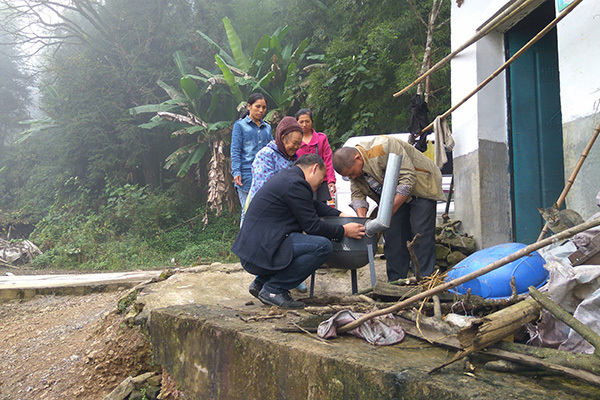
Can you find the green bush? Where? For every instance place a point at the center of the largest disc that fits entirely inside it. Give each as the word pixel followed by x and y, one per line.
pixel 136 228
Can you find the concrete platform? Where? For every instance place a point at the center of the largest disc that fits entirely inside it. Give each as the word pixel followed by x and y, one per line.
pixel 201 329
pixel 28 286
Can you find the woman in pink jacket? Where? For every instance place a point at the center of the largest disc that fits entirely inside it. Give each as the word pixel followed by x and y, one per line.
pixel 316 143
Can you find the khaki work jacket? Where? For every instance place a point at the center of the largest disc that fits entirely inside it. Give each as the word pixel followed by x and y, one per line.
pixel 416 171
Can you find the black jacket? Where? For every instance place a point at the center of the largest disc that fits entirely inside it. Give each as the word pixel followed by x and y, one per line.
pixel 282 206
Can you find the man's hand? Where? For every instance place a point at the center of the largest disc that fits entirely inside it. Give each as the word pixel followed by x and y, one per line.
pixel 361 212
pixel 398 202
pixel 354 230
pixel 238 180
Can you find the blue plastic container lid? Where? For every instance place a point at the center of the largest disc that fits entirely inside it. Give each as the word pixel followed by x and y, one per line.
pixel 528 271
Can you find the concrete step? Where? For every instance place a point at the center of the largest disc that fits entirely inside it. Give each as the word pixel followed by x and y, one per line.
pixel 28 286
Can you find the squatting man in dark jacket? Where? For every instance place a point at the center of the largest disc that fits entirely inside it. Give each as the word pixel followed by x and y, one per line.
pixel 271 243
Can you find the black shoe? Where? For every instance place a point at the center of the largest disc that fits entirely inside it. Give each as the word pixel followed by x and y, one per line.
pixel 255 288
pixel 283 300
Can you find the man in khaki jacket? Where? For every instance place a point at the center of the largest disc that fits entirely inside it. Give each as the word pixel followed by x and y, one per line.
pixel 414 210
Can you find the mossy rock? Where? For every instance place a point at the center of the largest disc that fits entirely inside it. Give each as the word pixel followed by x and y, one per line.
pixel 455 257
pixel 441 252
pixel 464 244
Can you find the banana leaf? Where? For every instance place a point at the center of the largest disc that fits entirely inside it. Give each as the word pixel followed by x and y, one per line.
pixel 171 91
pixel 181 63
pixel 156 122
pixel 260 57
pixel 265 80
pixel 236 46
pixel 205 72
pixel 37 125
pixel 217 126
pixel 300 50
pixel 281 32
pixel 197 78
pixel 286 53
pixel 152 108
pixel 291 78
pixel 193 159
pixel 178 154
pixel 222 52
pixel 190 89
pixel 229 78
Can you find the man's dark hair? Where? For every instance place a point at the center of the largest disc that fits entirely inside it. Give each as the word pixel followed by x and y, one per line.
pixel 310 159
pixel 343 158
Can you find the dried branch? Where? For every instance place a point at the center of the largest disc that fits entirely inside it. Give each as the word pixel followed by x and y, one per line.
pixel 410 3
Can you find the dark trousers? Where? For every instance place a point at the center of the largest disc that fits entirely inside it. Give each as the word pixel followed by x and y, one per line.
pixel 418 216
pixel 310 252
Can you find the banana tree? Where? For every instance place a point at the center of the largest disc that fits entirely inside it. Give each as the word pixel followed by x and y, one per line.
pixel 186 114
pixel 275 69
pixel 193 108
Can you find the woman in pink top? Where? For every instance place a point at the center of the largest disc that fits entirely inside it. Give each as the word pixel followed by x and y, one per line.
pixel 316 143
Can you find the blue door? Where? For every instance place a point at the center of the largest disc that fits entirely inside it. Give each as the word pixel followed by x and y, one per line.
pixel 535 136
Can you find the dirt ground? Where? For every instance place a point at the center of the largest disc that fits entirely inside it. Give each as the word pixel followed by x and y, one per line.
pixel 67 347
pixel 77 347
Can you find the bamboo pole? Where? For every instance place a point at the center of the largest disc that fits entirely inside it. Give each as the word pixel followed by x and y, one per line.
pixel 518 54
pixel 571 179
pixel 493 24
pixel 559 313
pixel 458 281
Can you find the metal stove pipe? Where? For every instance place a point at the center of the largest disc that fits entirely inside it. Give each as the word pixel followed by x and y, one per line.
pixel 388 192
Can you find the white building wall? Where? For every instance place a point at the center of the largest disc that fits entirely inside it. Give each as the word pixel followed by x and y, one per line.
pixel 479 127
pixel 579 61
pixel 471 67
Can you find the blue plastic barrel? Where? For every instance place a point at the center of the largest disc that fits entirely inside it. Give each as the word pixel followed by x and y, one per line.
pixel 528 271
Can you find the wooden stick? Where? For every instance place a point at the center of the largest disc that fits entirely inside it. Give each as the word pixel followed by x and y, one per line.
pixel 586 332
pixel 518 54
pixel 571 180
pixel 410 244
pixel 583 375
pixel 458 281
pixel 493 24
pixel 567 359
pixel 6 264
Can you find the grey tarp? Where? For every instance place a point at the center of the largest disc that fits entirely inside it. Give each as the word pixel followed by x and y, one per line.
pixel 577 290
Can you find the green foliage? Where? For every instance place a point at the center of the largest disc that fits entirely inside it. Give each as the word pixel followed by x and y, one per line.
pixel 93 173
pixel 275 68
pixel 131 231
pixel 353 95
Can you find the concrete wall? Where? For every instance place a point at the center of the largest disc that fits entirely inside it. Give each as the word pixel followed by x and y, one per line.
pixel 481 180
pixel 481 162
pixel 212 354
pixel 579 57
